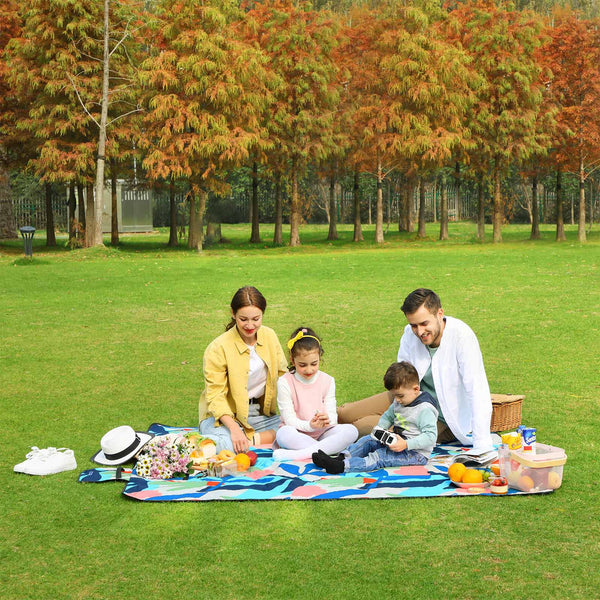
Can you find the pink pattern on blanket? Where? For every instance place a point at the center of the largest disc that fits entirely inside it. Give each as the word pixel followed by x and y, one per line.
pixel 413 471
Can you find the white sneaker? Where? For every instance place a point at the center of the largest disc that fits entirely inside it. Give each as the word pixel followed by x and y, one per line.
pixel 47 461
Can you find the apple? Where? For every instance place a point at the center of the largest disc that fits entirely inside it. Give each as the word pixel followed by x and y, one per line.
pixel 252 456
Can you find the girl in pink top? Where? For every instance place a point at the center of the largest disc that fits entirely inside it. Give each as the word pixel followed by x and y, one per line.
pixel 306 401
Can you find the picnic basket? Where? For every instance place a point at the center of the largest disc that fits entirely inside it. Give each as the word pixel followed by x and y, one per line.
pixel 506 411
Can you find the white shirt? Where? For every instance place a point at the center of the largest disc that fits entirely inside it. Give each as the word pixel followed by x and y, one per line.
pixel 459 378
pixel 257 374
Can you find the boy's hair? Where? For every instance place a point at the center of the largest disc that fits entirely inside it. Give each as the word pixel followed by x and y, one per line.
pixel 420 297
pixel 400 375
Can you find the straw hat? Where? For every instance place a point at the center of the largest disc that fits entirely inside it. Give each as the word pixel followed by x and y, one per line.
pixel 120 444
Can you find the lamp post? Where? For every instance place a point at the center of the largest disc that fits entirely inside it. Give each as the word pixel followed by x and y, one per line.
pixel 27 232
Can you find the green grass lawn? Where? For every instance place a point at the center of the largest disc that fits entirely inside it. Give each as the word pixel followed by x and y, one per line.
pixel 92 339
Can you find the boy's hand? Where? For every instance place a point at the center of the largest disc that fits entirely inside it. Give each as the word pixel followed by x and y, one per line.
pixel 398 445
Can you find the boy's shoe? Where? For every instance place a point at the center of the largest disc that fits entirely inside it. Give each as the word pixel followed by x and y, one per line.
pixel 47 461
pixel 333 466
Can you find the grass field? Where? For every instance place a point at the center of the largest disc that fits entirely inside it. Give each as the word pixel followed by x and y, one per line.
pixel 92 339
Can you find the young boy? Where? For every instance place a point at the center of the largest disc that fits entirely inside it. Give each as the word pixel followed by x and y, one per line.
pixel 414 419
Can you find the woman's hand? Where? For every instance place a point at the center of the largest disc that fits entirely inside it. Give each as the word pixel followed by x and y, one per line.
pixel 319 421
pixel 238 437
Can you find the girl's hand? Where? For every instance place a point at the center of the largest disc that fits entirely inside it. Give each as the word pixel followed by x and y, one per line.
pixel 239 439
pixel 398 445
pixel 319 421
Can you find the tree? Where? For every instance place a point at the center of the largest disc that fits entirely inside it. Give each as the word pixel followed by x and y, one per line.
pixel 573 55
pixel 298 43
pixel 9 28
pixel 205 92
pixel 501 44
pixel 410 112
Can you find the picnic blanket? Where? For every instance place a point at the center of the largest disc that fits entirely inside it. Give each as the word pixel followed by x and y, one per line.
pixel 301 480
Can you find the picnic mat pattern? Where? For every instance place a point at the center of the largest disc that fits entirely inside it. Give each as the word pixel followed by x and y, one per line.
pixel 302 480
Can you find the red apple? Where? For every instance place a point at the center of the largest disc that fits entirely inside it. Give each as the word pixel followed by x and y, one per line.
pixel 252 456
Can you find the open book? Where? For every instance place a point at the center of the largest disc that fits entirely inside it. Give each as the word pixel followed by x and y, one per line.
pixel 476 458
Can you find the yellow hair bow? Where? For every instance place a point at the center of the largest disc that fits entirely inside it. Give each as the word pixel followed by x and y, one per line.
pixel 301 334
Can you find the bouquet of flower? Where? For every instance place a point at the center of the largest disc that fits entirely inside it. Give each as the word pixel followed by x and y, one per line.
pixel 166 457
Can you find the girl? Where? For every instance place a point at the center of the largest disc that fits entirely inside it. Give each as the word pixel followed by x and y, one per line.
pixel 306 401
pixel 241 368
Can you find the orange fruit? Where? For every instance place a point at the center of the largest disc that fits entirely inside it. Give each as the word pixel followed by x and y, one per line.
pixel 495 468
pixel 554 480
pixel 472 476
pixel 456 471
pixel 525 483
pixel 243 461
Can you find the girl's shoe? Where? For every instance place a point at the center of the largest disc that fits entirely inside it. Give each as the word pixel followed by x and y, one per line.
pixel 47 461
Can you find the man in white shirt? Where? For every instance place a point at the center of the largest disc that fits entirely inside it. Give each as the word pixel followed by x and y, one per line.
pixel 446 354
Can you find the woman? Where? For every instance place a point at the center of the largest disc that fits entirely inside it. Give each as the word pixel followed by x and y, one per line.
pixel 241 369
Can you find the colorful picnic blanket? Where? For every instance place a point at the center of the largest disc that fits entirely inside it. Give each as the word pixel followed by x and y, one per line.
pixel 271 480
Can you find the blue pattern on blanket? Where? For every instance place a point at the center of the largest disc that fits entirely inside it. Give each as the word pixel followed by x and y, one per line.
pixel 269 480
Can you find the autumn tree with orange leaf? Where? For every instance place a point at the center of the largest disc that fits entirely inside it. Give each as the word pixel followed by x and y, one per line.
pixel 410 113
pixel 573 55
pixel 502 44
pixel 205 92
pixel 298 43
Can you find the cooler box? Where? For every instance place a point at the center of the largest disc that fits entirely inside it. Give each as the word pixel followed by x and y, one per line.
pixel 528 472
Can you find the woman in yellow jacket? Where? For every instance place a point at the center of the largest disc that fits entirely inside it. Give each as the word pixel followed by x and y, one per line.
pixel 241 369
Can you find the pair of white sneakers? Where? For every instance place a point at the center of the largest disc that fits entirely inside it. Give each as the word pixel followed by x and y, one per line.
pixel 47 461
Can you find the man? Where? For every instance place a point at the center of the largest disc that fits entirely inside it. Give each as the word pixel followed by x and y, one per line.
pixel 446 354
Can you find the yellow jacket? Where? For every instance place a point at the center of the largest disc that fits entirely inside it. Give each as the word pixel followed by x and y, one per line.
pixel 226 364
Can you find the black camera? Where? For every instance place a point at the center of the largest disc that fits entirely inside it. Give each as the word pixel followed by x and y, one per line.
pixel 383 436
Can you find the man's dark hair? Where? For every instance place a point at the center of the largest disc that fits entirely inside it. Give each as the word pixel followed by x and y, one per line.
pixel 400 375
pixel 420 297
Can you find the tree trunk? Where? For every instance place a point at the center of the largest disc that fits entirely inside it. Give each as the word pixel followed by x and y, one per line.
pixel 114 217
pixel 443 211
pixel 173 241
pixel 358 235
pixel 101 162
pixel 535 212
pixel 379 209
pixel 197 206
pixel 332 235
pixel 50 236
pixel 560 222
pixel 480 210
pixel 278 233
pixel 581 235
pixel 90 221
pixel 458 182
pixel 294 210
pixel 72 217
pixel 498 213
pixel 8 227
pixel 255 235
pixel 421 232
pixel 81 205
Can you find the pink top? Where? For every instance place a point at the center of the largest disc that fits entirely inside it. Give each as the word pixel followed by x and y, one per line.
pixel 309 398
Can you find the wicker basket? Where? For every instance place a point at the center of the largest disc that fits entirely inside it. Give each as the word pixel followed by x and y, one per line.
pixel 506 411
